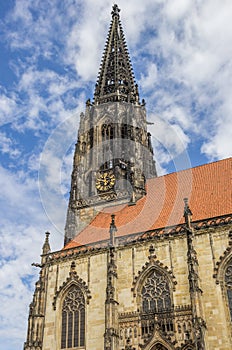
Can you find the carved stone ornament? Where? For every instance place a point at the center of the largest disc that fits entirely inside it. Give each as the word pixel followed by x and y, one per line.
pixel 73 279
pixel 223 261
pixel 148 268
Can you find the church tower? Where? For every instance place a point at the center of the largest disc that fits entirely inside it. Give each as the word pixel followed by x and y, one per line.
pixel 113 156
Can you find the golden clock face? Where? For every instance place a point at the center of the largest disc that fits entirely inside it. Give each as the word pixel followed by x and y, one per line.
pixel 105 181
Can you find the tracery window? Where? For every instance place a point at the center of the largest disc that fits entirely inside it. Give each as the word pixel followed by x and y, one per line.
pixel 156 293
pixel 107 132
pixel 156 303
pixel 228 285
pixel 73 319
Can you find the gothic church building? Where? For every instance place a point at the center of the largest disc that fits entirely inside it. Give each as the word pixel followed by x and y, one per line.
pixel 147 259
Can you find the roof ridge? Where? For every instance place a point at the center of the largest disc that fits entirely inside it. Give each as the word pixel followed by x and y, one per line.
pixel 197 166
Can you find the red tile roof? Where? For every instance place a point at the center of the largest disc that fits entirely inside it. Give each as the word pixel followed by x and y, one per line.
pixel 207 187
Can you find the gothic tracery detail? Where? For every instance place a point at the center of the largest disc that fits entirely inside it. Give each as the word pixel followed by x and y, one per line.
pixel 73 319
pixel 159 347
pixel 116 78
pixel 223 273
pixel 156 293
pixel 156 308
pixel 228 284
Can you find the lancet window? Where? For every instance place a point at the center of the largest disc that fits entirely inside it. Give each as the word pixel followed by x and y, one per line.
pixel 107 132
pixel 228 285
pixel 124 131
pixel 73 319
pixel 156 303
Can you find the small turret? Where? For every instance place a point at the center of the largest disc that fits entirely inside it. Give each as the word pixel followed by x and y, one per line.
pixel 46 247
pixel 37 307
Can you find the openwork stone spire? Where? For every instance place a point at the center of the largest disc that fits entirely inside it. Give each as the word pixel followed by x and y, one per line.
pixel 116 79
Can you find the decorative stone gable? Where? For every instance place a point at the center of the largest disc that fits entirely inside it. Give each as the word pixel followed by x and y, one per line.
pixel 72 280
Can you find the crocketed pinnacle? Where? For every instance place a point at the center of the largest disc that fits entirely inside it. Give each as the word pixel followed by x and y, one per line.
pixel 46 246
pixel 116 79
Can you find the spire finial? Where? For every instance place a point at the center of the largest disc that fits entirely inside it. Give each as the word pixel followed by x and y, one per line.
pixel 152 255
pixel 115 11
pixel 72 272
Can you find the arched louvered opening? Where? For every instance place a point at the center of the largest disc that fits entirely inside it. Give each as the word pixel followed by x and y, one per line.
pixel 108 136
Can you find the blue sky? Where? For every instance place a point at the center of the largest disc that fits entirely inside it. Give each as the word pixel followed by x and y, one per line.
pixel 50 52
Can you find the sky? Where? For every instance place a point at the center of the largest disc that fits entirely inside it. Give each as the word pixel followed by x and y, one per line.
pixel 50 52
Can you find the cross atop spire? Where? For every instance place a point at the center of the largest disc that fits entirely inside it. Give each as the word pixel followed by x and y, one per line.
pixel 116 78
pixel 115 11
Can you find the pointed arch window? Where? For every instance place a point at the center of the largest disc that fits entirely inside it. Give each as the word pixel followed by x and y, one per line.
pixel 73 319
pixel 159 347
pixel 156 305
pixel 156 293
pixel 107 132
pixel 228 285
pixel 124 131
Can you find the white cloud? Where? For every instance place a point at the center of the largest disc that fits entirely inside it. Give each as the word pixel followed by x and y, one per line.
pixel 170 136
pixel 48 104
pixel 22 12
pixel 8 146
pixel 147 81
pixel 55 169
pixel 7 107
pixel 219 144
pixel 177 9
pixel 22 226
pixel 83 50
pixel 194 78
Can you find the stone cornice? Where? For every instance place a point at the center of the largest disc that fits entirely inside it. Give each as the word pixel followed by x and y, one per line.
pixel 131 239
